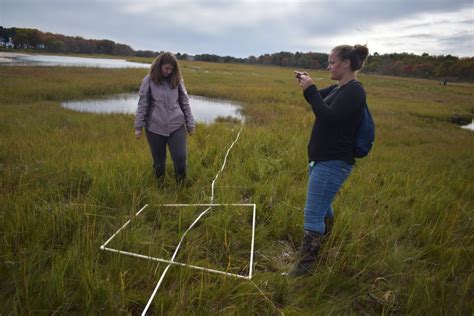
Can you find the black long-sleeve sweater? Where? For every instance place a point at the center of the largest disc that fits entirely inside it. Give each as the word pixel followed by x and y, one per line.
pixel 338 113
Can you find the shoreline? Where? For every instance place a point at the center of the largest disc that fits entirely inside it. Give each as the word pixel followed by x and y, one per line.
pixel 6 57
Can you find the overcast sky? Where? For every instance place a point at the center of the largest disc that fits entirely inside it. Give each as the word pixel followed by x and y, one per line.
pixel 241 27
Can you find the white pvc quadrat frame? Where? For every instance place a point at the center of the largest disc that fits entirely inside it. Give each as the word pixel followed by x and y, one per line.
pixel 132 254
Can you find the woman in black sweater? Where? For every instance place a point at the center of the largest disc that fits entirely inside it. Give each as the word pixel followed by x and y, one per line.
pixel 338 110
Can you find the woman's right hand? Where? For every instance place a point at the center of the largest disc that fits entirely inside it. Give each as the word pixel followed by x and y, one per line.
pixel 305 81
pixel 138 133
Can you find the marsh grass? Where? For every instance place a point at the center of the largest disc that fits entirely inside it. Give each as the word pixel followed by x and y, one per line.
pixel 403 236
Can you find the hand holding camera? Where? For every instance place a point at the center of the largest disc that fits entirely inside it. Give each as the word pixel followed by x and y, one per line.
pixel 299 74
pixel 304 80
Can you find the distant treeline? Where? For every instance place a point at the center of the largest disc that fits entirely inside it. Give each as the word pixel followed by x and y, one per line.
pixel 284 59
pixel 398 64
pixel 22 38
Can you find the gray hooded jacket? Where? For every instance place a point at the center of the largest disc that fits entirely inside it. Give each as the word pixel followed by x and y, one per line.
pixel 162 109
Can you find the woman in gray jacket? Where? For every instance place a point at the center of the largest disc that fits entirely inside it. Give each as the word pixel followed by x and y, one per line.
pixel 164 111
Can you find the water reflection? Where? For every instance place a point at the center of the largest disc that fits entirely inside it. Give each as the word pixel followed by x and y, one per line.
pixel 204 109
pixel 16 59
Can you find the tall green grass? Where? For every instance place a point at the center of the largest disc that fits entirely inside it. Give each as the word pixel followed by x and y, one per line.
pixel 403 237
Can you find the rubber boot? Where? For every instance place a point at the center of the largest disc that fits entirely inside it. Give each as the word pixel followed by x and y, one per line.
pixel 308 253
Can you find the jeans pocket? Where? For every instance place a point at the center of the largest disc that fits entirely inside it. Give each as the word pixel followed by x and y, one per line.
pixel 340 168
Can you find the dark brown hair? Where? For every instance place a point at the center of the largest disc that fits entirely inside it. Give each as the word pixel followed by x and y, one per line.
pixel 155 70
pixel 357 54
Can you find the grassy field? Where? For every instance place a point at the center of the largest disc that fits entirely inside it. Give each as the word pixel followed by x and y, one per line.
pixel 403 235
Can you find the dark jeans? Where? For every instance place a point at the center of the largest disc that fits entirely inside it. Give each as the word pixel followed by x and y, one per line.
pixel 325 179
pixel 177 146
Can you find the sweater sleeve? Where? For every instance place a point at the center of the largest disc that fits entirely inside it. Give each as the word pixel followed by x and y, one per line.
pixel 348 101
pixel 143 103
pixel 323 92
pixel 185 107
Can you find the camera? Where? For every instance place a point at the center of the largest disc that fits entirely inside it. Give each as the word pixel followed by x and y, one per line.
pixel 299 74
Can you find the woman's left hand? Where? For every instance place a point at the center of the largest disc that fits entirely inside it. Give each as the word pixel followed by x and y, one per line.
pixel 305 81
pixel 138 133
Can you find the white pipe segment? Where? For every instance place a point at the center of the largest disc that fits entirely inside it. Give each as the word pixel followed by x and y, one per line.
pixel 253 240
pixel 123 226
pixel 235 204
pixel 132 254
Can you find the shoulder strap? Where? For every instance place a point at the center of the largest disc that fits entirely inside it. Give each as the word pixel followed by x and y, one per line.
pixel 180 92
pixel 149 104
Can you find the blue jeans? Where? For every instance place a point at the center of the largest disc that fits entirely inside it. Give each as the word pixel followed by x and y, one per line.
pixel 325 179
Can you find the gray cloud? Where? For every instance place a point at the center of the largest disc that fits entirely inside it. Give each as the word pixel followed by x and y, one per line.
pixel 462 41
pixel 237 28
